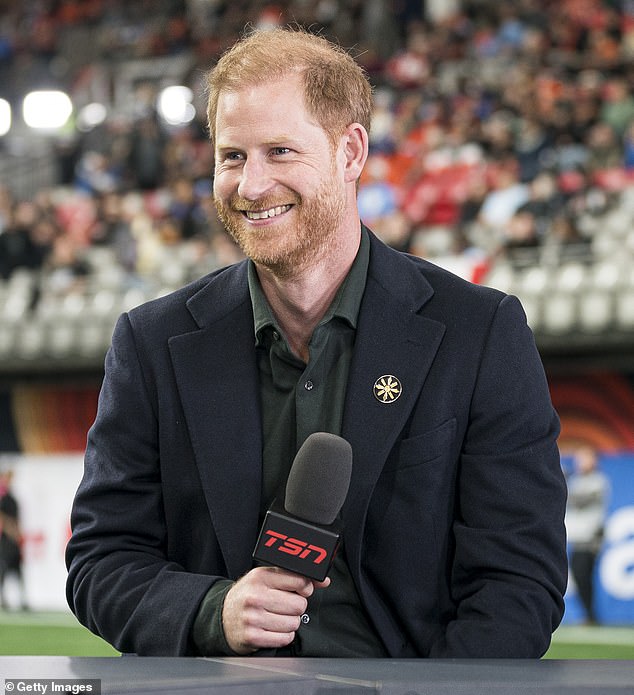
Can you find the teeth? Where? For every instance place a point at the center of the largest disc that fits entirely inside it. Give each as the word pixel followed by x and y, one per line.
pixel 266 214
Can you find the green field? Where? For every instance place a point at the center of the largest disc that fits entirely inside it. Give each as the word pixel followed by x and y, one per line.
pixel 53 634
pixel 60 634
pixel 592 643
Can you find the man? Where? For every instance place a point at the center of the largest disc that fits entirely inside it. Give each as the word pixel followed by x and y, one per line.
pixel 10 541
pixel 453 541
pixel 588 497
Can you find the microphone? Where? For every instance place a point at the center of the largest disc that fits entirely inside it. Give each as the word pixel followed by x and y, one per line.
pixel 303 536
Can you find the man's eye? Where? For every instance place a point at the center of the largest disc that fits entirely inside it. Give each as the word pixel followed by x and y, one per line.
pixel 234 156
pixel 280 150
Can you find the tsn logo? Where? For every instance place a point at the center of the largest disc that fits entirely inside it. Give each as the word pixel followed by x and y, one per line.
pixel 293 546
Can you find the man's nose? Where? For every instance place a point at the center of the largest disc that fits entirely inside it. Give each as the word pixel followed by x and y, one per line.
pixel 255 179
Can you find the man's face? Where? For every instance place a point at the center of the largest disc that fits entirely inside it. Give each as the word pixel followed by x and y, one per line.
pixel 279 186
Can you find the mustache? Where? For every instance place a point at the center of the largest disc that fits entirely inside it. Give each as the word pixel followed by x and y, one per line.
pixel 240 204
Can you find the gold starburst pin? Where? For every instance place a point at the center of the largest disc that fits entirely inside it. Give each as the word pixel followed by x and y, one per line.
pixel 387 389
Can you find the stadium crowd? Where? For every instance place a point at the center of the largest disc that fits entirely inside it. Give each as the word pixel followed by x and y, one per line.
pixel 498 128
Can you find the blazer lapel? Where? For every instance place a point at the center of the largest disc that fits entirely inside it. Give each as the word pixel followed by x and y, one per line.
pixel 217 379
pixel 394 341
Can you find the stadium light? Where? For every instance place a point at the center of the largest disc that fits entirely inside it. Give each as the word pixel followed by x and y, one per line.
pixel 5 117
pixel 175 105
pixel 46 109
pixel 90 116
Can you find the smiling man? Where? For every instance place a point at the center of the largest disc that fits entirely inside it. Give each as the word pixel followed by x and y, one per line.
pixel 278 188
pixel 453 536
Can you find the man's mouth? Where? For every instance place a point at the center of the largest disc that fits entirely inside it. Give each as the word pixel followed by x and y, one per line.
pixel 266 214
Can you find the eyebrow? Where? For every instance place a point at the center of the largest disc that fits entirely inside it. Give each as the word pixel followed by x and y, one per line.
pixel 272 142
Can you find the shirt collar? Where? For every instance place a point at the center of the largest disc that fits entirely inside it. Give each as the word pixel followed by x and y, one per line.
pixel 345 305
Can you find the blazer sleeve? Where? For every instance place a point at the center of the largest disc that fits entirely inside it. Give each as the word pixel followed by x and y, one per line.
pixel 120 583
pixel 509 570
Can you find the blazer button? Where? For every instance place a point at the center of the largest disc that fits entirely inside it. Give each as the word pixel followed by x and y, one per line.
pixel 305 618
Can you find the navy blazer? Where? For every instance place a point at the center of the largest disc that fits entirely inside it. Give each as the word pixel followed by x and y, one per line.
pixel 454 519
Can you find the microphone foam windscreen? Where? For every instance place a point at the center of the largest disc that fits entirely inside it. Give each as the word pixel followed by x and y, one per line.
pixel 319 478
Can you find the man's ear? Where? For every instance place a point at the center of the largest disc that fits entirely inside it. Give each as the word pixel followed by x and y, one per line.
pixel 355 148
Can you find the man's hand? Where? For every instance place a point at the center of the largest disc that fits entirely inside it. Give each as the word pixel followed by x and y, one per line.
pixel 262 609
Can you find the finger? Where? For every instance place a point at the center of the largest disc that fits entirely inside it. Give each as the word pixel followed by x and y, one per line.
pixel 283 580
pixel 283 602
pixel 265 639
pixel 308 590
pixel 273 622
pixel 323 584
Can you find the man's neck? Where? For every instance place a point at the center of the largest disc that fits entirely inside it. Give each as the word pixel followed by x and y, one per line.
pixel 300 302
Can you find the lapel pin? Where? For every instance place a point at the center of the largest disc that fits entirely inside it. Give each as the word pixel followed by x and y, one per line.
pixel 387 389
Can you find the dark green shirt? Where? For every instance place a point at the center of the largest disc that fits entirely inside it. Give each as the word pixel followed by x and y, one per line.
pixel 297 400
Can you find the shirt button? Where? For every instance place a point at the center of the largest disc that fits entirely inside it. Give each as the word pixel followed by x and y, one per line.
pixel 309 385
pixel 305 618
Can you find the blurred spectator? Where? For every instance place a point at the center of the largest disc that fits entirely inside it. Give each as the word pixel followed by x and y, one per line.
pixel 43 235
pixel 604 147
pixel 18 249
pixel 503 201
pixel 628 147
pixel 10 542
pixel 185 209
pixel 146 154
pixel 112 229
pixel 545 201
pixel 497 136
pixel 588 491
pixel 475 193
pixel 584 112
pixel 65 266
pixel 6 208
pixel 617 109
pixel 410 67
pixel 533 148
pixel 565 242
pixel 522 239
pixel 94 174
